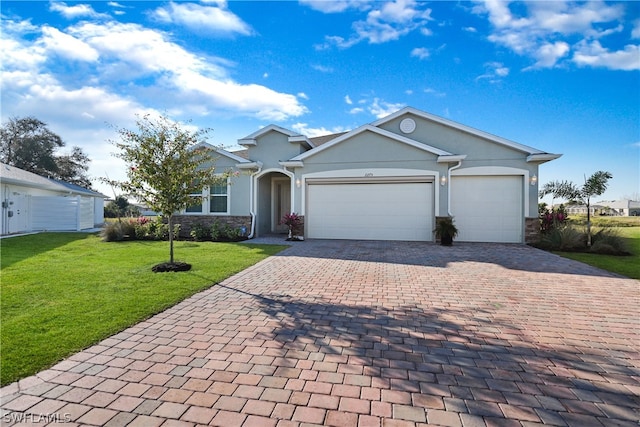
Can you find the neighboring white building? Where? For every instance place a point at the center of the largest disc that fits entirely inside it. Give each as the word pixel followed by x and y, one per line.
pixel 623 207
pixel 31 202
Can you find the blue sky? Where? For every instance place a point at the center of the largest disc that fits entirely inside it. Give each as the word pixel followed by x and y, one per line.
pixel 563 77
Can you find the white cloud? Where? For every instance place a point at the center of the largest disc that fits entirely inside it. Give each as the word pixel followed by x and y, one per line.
pixel 336 6
pixel 67 46
pixel 322 68
pixel 302 95
pixel 435 93
pixel 421 52
pixel 548 54
pixel 76 11
pixel 348 100
pixel 382 109
pixel 594 55
pixel 494 72
pixel 304 129
pixel 356 110
pixel 635 32
pixel 385 21
pixel 209 19
pixel 549 31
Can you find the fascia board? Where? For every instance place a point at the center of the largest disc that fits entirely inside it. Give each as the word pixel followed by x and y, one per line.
pixel 542 157
pixel 292 163
pixel 249 165
pixel 451 158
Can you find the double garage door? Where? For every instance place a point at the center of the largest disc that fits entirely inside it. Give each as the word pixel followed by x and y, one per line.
pixel 485 208
pixel 382 210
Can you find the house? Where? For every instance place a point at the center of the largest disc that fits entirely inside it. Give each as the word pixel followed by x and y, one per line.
pixel 387 180
pixel 624 207
pixel 31 202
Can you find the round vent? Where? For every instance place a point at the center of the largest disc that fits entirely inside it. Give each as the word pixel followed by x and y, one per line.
pixel 407 125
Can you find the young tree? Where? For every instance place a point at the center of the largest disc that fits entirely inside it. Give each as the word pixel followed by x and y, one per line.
pixel 595 185
pixel 163 167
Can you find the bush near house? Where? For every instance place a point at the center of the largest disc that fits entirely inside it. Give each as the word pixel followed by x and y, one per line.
pixel 143 228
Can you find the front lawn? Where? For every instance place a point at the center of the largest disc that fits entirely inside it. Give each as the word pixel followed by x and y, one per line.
pixel 626 265
pixel 62 292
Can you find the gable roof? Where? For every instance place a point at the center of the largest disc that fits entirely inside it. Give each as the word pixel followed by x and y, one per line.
pixel 376 130
pixel 293 137
pixel 223 152
pixel 538 155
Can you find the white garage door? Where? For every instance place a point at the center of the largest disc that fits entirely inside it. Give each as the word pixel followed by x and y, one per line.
pixel 370 211
pixel 488 208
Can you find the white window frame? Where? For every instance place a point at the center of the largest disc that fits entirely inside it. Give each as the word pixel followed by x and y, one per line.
pixel 206 201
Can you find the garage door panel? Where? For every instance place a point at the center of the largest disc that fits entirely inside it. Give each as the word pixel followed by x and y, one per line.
pixel 488 208
pixel 380 211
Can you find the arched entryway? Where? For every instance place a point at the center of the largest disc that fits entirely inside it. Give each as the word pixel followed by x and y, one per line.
pixel 274 200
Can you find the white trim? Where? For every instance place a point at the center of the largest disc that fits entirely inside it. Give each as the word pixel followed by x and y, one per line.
pixel 381 132
pixel 497 171
pixel 458 126
pixel 291 164
pixel 250 165
pixel 542 157
pixel 375 174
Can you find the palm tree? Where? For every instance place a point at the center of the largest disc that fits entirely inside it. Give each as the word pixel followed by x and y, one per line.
pixel 595 185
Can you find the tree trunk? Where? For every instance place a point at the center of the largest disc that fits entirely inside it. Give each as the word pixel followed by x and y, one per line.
pixel 588 223
pixel 170 239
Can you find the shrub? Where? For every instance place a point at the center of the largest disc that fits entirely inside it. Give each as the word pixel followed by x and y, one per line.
pixel 608 241
pixel 112 232
pixel 216 231
pixel 563 239
pixel 200 232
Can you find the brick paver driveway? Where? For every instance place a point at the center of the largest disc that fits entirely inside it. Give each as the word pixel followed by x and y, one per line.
pixel 370 334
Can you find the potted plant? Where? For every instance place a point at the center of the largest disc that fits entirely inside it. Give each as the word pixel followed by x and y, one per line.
pixel 446 230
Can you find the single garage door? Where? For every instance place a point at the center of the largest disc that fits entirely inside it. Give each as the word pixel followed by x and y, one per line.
pixel 488 208
pixel 370 211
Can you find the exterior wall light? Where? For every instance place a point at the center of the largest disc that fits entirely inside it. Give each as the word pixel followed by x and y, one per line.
pixel 533 180
pixel 298 183
pixel 443 180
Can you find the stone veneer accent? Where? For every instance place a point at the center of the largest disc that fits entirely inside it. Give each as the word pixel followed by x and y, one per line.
pixel 187 221
pixel 531 230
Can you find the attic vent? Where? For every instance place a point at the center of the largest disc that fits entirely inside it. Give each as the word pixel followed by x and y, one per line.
pixel 407 125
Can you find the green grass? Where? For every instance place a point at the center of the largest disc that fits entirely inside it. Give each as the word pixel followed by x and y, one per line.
pixel 626 265
pixel 62 292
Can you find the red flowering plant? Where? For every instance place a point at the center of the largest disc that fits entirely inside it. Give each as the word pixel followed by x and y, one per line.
pixel 553 219
pixel 294 222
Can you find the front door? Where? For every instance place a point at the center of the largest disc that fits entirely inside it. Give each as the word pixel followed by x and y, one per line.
pixel 281 203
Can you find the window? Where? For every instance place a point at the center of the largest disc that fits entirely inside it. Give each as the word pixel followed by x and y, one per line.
pixel 212 200
pixel 218 198
pixel 196 207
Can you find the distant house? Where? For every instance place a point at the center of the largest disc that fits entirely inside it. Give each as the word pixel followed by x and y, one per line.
pixel 31 202
pixel 624 207
pixel 580 209
pixel 388 180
